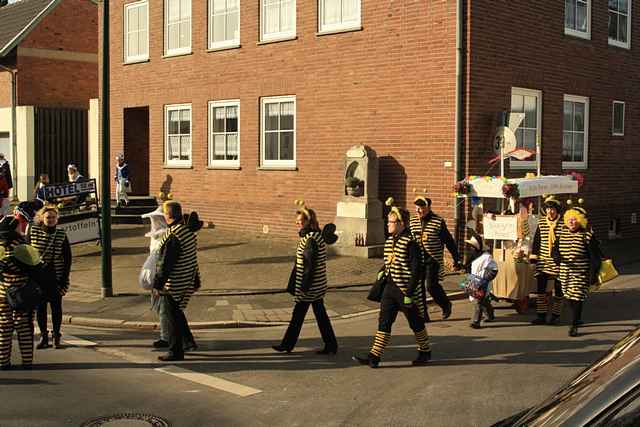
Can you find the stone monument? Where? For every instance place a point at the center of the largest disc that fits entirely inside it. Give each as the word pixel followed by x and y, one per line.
pixel 359 222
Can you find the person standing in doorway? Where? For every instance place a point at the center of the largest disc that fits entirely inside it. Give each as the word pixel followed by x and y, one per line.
pixel 5 171
pixel 123 181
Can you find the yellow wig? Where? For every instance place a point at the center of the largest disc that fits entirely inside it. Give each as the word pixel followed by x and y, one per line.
pixel 577 212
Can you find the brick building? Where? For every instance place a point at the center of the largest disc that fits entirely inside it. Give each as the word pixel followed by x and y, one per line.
pixel 238 107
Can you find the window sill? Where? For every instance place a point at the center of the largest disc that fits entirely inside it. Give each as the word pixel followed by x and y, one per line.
pixel 224 167
pixel 167 166
pixel 284 39
pixel 617 135
pixel 175 55
pixel 619 45
pixel 574 166
pixel 577 34
pixel 277 168
pixel 137 61
pixel 339 31
pixel 221 48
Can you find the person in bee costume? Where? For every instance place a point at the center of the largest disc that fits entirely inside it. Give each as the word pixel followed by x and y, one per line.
pixel 403 290
pixel 546 268
pixel 308 280
pixel 577 253
pixel 432 235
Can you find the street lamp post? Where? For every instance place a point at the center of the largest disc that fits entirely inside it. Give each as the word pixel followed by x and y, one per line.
pixel 107 290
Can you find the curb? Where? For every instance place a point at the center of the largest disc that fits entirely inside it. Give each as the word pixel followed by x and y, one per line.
pixel 97 322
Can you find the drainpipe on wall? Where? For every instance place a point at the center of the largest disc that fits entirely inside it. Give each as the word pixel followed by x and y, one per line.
pixel 458 155
pixel 14 127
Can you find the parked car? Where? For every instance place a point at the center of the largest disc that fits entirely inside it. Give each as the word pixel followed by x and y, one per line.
pixel 607 393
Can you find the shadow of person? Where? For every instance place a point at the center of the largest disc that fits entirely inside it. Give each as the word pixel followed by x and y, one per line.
pixel 165 187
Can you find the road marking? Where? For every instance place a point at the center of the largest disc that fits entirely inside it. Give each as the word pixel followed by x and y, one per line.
pixel 78 342
pixel 209 381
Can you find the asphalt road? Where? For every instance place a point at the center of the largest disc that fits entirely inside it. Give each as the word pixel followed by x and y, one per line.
pixel 477 376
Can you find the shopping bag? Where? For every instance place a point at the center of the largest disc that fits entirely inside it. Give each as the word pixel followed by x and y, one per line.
pixel 148 271
pixel 606 273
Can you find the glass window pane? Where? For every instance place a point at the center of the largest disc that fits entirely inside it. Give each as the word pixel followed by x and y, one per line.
pixel 613 4
pixel 174 119
pixel 185 34
pixel 132 44
pixel 232 146
pixel 517 103
pixel 272 17
pixel 219 6
pixel 287 15
pixel 185 121
pixel 578 118
pixel 578 147
pixel 185 9
pixel 622 28
pixel 132 19
pixel 286 116
pixel 530 139
pixel 143 43
pixel 174 36
pixel 331 11
pixel 568 116
pixel 232 119
pixel 530 111
pixel 569 14
pixel 219 147
pixel 271 146
pixel 623 6
pixel 174 10
pixel 613 25
pixel 218 119
pixel 520 137
pixel 174 148
pixel 286 146
pixel 581 17
pixel 271 112
pixel 233 31
pixel 142 18
pixel 185 147
pixel 618 118
pixel 350 10
pixel 218 28
pixel 567 146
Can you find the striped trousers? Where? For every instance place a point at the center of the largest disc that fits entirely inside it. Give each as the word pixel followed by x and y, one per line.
pixel 22 323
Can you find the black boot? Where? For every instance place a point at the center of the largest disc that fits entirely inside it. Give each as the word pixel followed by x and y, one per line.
pixel 573 331
pixel 44 341
pixel 539 320
pixel 370 359
pixel 554 319
pixel 56 340
pixel 423 358
pixel 282 349
pixel 328 349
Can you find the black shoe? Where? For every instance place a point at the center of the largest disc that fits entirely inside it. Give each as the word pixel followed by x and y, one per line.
pixel 553 320
pixel 423 358
pixel 573 331
pixel 282 349
pixel 491 316
pixel 540 320
pixel 44 342
pixel 369 359
pixel 446 312
pixel 475 325
pixel 328 350
pixel 580 322
pixel 170 358
pixel 27 367
pixel 56 341
pixel 5 367
pixel 160 344
pixel 192 346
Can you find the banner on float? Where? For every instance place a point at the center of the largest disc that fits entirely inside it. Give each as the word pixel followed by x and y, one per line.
pixel 83 230
pixel 500 227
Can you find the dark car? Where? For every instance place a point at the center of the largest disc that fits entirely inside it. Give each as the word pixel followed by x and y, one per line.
pixel 607 393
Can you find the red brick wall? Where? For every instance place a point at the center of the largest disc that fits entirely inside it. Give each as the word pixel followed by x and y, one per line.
pixel 522 44
pixel 390 86
pixel 5 89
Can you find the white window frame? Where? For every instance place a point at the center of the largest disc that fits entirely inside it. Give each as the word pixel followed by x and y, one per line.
pixel 264 37
pixel 613 117
pixel 584 163
pixel 222 164
pixel 341 26
pixel 275 164
pixel 528 164
pixel 138 58
pixel 614 42
pixel 226 43
pixel 177 163
pixel 576 33
pixel 182 50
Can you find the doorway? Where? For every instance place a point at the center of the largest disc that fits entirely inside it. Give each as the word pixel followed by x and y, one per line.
pixel 136 148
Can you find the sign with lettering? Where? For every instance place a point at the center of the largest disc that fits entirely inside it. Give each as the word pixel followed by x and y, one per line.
pixel 83 230
pixel 67 189
pixel 500 227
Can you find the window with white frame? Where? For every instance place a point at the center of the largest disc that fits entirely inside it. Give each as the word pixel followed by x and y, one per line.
pixel 177 27
pixel 575 135
pixel 529 102
pixel 577 18
pixel 617 120
pixel 224 23
pixel 620 23
pixel 178 135
pixel 336 15
pixel 224 133
pixel 136 31
pixel 278 19
pixel 278 131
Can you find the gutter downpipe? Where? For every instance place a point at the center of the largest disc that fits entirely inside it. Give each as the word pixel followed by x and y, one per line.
pixel 457 159
pixel 14 127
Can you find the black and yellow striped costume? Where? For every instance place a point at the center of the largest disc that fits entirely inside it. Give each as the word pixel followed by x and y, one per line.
pixel 573 249
pixel 402 261
pixel 309 278
pixel 10 319
pixel 180 283
pixel 546 267
pixel 50 246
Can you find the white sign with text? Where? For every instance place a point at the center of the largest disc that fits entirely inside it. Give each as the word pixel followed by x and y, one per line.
pixel 500 227
pixel 84 230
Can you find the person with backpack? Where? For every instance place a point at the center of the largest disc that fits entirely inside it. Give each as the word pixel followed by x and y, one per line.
pixel 308 281
pixel 482 270
pixel 54 249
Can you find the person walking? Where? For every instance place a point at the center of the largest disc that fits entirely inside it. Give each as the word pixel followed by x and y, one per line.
pixel 123 181
pixel 38 191
pixel 577 253
pixel 402 290
pixel 54 249
pixel 483 269
pixel 177 276
pixel 308 283
pixel 546 268
pixel 431 233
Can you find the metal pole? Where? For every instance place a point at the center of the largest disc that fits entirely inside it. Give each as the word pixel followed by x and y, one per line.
pixel 107 290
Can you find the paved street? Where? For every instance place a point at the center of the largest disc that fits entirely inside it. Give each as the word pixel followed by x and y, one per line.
pixel 477 376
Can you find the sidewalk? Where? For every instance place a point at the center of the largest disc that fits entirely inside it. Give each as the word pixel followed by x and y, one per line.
pixel 244 276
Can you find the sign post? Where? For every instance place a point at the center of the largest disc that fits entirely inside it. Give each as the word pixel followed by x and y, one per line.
pixel 105 182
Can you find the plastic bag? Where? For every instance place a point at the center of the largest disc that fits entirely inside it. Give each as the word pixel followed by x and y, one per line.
pixel 148 271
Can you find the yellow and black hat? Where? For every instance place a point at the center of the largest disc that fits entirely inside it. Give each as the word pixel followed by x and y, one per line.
pixel 421 198
pixel 578 212
pixel 552 202
pixel 302 208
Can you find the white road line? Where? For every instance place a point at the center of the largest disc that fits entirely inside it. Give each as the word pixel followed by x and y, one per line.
pixel 209 381
pixel 77 342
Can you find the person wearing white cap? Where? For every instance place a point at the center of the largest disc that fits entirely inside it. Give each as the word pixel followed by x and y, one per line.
pixel 123 180
pixel 483 270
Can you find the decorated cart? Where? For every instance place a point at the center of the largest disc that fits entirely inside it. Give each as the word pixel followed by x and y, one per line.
pixel 503 213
